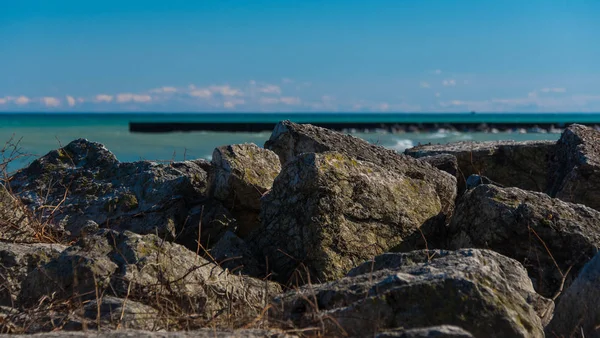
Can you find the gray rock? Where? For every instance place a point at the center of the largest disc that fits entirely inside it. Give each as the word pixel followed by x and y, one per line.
pixel 576 166
pixel 242 174
pixel 483 292
pixel 84 182
pixel 211 219
pixel 547 235
pixel 233 253
pixel 146 269
pixel 443 331
pixel 16 261
pixel 291 139
pixel 202 333
pixel 327 212
pixel 512 164
pixel 118 313
pixel 444 162
pixel 475 180
pixel 577 311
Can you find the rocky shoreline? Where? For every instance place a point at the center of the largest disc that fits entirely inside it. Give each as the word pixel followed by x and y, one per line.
pixel 316 234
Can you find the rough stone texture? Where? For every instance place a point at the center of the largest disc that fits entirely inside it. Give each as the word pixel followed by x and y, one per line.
pixel 212 219
pixel 291 139
pixel 444 162
pixel 242 174
pixel 578 310
pixel 530 227
pixel 481 291
pixel 15 223
pixel 148 270
pixel 513 164
pixel 86 183
pixel 443 331
pixel 576 166
pixel 124 314
pixel 475 180
pixel 328 212
pixel 203 333
pixel 233 253
pixel 16 261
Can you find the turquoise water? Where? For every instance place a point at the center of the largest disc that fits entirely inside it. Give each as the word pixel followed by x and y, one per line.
pixel 40 133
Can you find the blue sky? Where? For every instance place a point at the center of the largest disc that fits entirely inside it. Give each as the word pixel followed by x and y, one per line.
pixel 288 55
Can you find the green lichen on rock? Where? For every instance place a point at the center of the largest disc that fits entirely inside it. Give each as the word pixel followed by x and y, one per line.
pixel 331 211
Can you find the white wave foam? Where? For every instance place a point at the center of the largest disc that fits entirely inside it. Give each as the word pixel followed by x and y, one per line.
pixel 402 145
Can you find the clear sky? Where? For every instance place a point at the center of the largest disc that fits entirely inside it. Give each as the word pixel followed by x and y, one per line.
pixel 299 55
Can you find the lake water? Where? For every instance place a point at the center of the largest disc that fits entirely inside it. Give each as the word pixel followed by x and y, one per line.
pixel 40 133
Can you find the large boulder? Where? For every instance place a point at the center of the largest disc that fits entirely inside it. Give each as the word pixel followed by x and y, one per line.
pixel 552 238
pixel 481 291
pixel 242 174
pixel 576 166
pixel 291 139
pixel 442 331
pixel 146 269
pixel 578 311
pixel 83 182
pixel 16 261
pixel 201 333
pixel 327 212
pixel 514 164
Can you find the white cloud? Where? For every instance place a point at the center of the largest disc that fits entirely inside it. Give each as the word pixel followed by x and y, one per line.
pixel 270 89
pixel 80 100
pixel 290 100
pixel 425 84
pixel 70 101
pixel 232 103
pixel 252 82
pixel 286 80
pixel 128 97
pixel 553 90
pixel 3 100
pixel 225 90
pixel 268 100
pixel 201 93
pixel 384 106
pixel 103 98
pixel 450 82
pixel 164 90
pixel 50 101
pixel 22 100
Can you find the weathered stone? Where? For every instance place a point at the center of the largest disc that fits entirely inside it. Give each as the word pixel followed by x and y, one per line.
pixel 575 168
pixel 232 252
pixel 328 212
pixel 444 162
pixel 578 312
pixel 443 331
pixel 549 236
pixel 15 223
pixel 16 261
pixel 475 180
pixel 78 272
pixel 512 164
pixel 212 220
pixel 291 139
pixel 481 291
pixel 118 313
pixel 148 270
pixel 242 174
pixel 84 182
pixel 202 333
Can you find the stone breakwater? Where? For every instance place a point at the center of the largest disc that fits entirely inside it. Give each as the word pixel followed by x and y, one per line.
pixel 315 234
